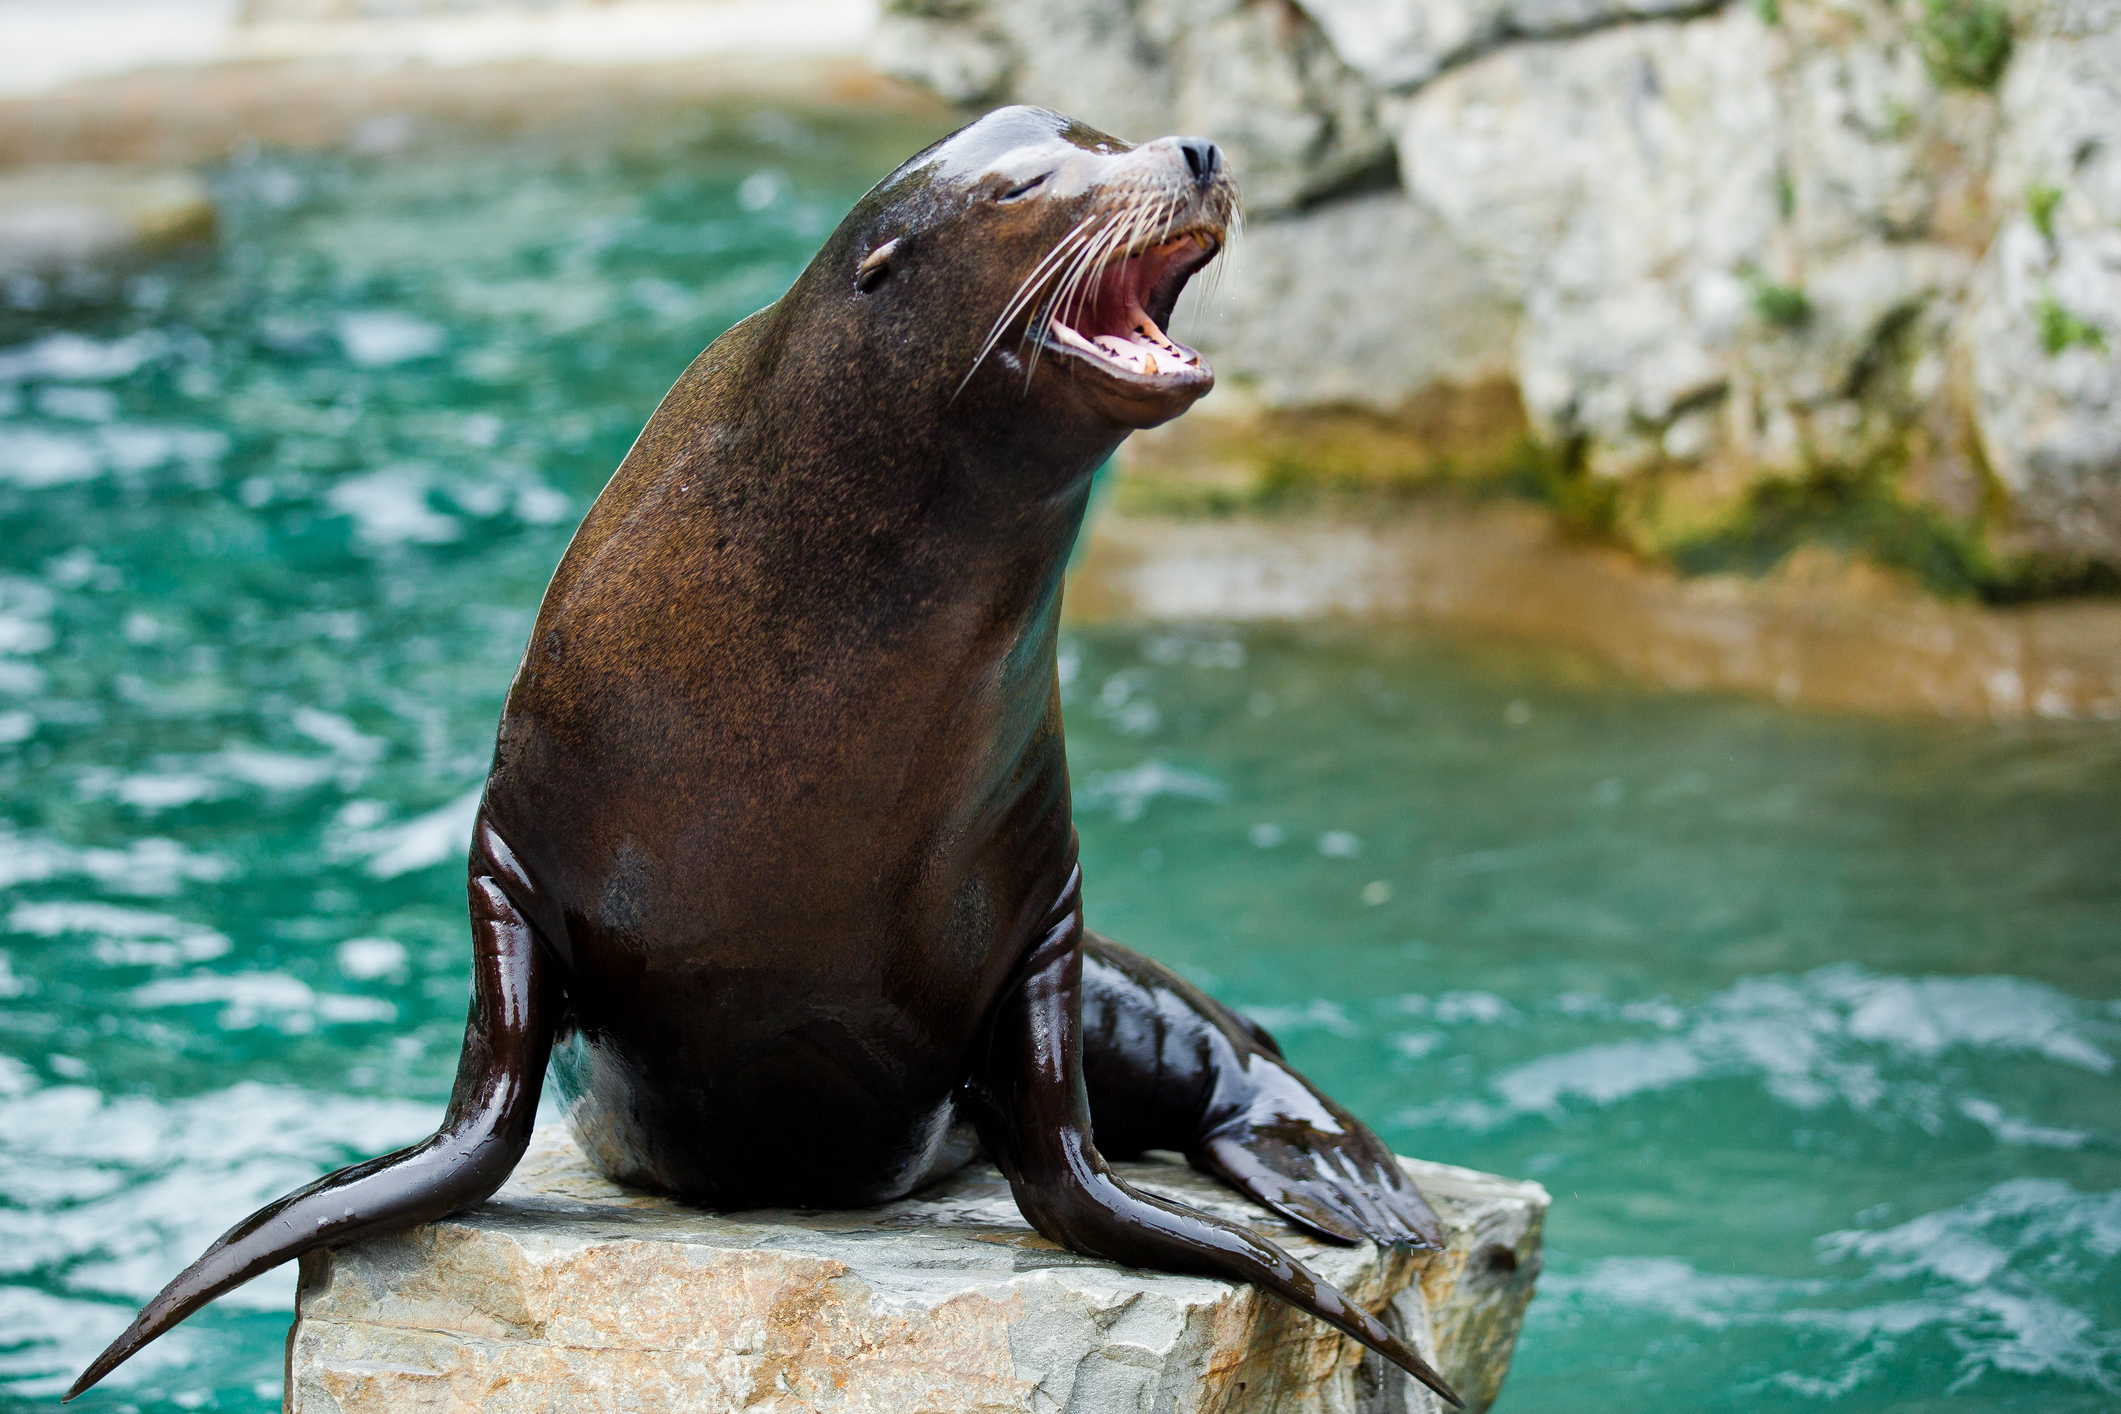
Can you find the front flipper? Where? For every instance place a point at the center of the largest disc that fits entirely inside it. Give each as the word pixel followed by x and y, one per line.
pixel 1169 1067
pixel 515 1003
pixel 1033 1114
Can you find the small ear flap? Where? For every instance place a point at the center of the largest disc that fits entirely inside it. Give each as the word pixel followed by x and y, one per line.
pixel 874 270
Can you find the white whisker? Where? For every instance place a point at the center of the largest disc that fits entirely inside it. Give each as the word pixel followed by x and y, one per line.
pixel 1089 261
pixel 1084 258
pixel 1028 290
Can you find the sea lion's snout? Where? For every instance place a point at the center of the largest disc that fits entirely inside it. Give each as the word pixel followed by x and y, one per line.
pixel 1203 158
pixel 1156 216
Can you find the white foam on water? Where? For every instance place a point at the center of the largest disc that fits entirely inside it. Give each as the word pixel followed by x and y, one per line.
pixel 1600 1074
pixel 1127 793
pixel 366 958
pixel 77 404
pixel 74 358
pixel 2010 1129
pixel 22 679
pixel 134 446
pixel 25 610
pixel 1340 844
pixel 1195 647
pixel 389 507
pixel 250 999
pixel 178 781
pixel 2032 1334
pixel 1993 1278
pixel 1676 1290
pixel 346 740
pixel 33 458
pixel 376 338
pixel 1316 1015
pixel 539 504
pixel 36 457
pixel 275 771
pixel 151 866
pixel 151 791
pixel 1927 1015
pixel 1835 1035
pixel 124 936
pixel 418 843
pixel 120 1192
pixel 1482 1008
pixel 51 1338
pixel 117 1194
pixel 1972 1241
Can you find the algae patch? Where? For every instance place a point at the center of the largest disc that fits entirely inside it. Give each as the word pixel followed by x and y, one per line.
pixel 2061 328
pixel 1476 443
pixel 1966 43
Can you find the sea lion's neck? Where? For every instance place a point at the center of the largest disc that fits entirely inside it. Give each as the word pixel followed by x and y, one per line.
pixel 774 486
pixel 840 456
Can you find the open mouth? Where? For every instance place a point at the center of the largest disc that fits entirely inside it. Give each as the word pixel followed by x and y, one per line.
pixel 1115 323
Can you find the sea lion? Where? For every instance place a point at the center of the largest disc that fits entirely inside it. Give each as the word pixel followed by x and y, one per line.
pixel 776 864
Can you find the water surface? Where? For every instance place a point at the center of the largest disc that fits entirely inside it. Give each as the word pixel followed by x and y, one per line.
pixel 1809 1023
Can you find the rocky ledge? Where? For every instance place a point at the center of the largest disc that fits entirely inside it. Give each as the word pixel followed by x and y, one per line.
pixel 569 1292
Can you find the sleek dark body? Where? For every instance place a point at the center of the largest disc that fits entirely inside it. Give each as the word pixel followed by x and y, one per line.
pixel 776 861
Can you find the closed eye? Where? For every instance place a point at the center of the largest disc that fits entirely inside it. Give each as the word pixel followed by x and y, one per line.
pixel 1024 188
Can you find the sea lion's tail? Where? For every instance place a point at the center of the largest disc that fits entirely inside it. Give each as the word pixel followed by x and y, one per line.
pixel 515 1003
pixel 1033 1113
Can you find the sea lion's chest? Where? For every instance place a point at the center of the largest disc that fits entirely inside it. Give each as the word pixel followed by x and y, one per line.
pixel 745 817
pixel 785 890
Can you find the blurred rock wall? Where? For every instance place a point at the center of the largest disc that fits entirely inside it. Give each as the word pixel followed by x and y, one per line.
pixel 1709 242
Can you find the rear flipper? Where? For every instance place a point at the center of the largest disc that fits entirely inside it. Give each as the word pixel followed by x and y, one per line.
pixel 515 1003
pixel 1033 1114
pixel 1169 1067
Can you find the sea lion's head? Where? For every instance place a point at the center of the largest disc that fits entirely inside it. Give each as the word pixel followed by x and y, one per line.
pixel 1029 256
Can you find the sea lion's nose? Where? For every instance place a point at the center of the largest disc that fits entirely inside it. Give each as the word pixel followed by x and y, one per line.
pixel 1203 158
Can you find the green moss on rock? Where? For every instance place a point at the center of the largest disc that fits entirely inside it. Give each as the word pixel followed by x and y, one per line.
pixel 1475 443
pixel 1966 43
pixel 2040 203
pixel 2061 329
pixel 1784 306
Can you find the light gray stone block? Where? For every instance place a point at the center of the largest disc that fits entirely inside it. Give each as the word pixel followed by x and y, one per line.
pixel 1307 331
pixel 567 1292
pixel 2043 337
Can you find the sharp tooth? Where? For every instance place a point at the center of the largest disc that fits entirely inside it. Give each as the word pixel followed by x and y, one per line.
pixel 1069 336
pixel 1147 327
pixel 1148 363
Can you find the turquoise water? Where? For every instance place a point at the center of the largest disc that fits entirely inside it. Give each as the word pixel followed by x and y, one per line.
pixel 1809 1023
